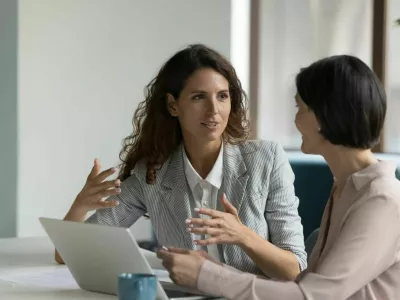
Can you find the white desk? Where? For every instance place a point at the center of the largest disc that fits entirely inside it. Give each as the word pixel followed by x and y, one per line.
pixel 29 254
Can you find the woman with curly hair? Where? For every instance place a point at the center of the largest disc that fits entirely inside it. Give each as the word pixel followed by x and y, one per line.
pixel 189 154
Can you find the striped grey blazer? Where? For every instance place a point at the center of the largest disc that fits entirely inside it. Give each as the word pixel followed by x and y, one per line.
pixel 257 179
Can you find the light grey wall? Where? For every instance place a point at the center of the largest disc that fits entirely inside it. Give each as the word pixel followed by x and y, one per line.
pixel 83 66
pixel 293 34
pixel 8 117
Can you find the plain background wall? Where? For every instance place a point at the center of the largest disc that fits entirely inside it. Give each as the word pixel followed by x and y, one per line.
pixel 293 34
pixel 8 117
pixel 392 130
pixel 83 68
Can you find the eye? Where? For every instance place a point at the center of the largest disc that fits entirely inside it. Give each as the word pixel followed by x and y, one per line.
pixel 224 96
pixel 198 97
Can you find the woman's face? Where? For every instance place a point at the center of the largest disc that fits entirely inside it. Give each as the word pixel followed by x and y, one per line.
pixel 203 106
pixel 307 124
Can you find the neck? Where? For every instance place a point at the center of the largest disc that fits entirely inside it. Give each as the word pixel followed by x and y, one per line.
pixel 202 155
pixel 343 162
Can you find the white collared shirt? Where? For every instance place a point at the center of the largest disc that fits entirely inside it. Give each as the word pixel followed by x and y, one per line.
pixel 205 191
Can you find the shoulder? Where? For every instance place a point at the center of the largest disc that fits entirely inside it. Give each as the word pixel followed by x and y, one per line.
pixel 139 172
pixel 267 152
pixel 386 191
pixel 258 147
pixel 265 160
pixel 380 199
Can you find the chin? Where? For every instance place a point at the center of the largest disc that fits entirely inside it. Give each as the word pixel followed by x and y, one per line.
pixel 306 149
pixel 212 138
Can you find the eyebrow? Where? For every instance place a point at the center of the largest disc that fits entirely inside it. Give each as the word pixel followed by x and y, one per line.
pixel 204 92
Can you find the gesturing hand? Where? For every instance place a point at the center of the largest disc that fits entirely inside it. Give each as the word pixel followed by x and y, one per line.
pixel 91 197
pixel 224 227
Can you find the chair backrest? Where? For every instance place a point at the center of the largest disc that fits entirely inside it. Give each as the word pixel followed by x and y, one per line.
pixel 310 242
pixel 313 184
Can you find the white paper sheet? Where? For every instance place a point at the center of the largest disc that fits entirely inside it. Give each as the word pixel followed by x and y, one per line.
pixel 55 277
pixel 60 277
pixel 50 277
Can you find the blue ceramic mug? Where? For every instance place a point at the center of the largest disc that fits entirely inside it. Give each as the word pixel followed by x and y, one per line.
pixel 132 286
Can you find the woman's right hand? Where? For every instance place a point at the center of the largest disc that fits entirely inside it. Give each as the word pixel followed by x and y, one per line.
pixel 91 197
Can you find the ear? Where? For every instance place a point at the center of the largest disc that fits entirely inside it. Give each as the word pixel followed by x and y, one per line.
pixel 172 105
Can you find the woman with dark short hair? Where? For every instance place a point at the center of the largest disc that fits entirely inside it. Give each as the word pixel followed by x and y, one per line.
pixel 341 111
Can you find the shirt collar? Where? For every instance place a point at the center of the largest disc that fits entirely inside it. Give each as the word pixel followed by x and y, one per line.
pixel 214 177
pixel 379 169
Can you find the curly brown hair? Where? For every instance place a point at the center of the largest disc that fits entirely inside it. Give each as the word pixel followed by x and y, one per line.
pixel 156 133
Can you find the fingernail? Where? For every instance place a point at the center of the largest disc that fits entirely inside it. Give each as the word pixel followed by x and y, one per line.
pixel 191 226
pixel 188 229
pixel 197 209
pixel 118 191
pixel 164 248
pixel 117 182
pixel 188 221
pixel 116 202
pixel 195 242
pixel 114 169
pixel 224 196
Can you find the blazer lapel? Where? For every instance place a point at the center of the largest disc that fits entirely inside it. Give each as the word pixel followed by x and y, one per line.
pixel 234 184
pixel 235 177
pixel 175 194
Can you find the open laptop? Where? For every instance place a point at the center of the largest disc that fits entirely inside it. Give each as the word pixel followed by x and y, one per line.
pixel 97 254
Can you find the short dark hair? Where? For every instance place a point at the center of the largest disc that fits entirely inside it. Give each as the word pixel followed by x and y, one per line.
pixel 347 98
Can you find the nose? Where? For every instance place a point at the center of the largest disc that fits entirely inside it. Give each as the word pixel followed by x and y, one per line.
pixel 212 106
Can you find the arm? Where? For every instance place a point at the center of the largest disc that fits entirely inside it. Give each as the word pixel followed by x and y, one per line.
pixel 284 257
pixel 223 282
pixel 274 262
pixel 367 246
pixel 130 207
pixel 125 214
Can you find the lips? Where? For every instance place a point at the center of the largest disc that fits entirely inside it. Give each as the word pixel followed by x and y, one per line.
pixel 210 124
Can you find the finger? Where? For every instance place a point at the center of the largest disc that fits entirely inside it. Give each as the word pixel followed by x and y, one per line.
pixel 107 204
pixel 202 253
pixel 104 186
pixel 178 250
pixel 95 169
pixel 206 242
pixel 162 253
pixel 203 230
pixel 166 256
pixel 209 212
pixel 103 175
pixel 204 222
pixel 107 193
pixel 228 207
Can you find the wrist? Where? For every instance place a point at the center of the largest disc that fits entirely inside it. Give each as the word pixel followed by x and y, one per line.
pixel 76 213
pixel 247 237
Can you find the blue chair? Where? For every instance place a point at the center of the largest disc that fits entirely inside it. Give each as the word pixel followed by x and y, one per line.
pixel 313 184
pixel 310 242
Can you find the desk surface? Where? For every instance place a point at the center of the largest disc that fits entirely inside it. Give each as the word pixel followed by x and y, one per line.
pixel 30 254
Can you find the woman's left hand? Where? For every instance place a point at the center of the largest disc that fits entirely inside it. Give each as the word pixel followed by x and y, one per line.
pixel 183 265
pixel 223 228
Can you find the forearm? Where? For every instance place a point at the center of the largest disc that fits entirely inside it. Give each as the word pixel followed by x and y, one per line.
pixel 222 282
pixel 76 215
pixel 273 261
